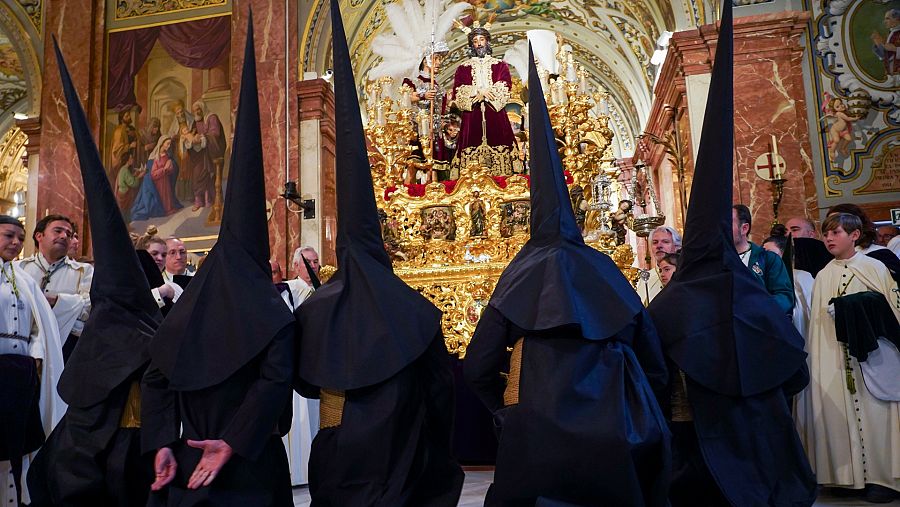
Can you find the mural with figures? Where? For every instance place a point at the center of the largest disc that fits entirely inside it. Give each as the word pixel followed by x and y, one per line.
pixel 856 61
pixel 168 126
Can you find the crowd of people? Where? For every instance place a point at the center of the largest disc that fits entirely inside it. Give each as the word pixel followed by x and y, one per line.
pixel 806 269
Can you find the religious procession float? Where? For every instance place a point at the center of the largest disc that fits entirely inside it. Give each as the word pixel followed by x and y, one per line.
pixel 450 163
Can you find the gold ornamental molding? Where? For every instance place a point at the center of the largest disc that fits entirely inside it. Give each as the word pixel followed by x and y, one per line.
pixel 13 172
pixel 132 9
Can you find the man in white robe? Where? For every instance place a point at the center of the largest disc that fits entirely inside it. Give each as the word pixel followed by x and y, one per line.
pixel 663 240
pixel 305 423
pixel 28 329
pixel 66 283
pixel 853 436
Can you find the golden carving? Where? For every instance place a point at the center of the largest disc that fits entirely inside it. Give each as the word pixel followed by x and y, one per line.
pixel 35 11
pixel 13 171
pixel 452 240
pixel 126 9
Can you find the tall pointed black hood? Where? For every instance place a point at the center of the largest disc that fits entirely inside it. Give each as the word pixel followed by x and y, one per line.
pixel 230 311
pixel 717 322
pixel 365 324
pixel 556 279
pixel 124 316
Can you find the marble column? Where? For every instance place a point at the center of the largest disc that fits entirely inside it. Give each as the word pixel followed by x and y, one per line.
pixel 769 99
pixel 79 27
pixel 317 165
pixel 275 32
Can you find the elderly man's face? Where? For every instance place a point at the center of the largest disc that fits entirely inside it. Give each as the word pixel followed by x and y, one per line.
pixel 662 243
pixel 198 112
pixel 312 258
pixel 800 228
pixel 176 256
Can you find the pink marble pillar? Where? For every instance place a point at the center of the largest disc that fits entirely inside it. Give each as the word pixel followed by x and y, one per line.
pixel 769 99
pixel 278 106
pixel 79 27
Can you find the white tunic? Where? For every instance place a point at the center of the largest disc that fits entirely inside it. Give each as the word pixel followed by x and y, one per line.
pixel 305 423
pixel 70 280
pixel 29 315
pixel 648 289
pixel 852 439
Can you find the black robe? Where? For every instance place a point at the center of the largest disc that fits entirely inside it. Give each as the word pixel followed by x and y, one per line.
pixel 747 445
pixel 392 448
pixel 244 410
pixel 587 429
pixel 89 460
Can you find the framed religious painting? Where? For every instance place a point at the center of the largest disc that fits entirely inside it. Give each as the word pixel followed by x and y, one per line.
pixel 167 126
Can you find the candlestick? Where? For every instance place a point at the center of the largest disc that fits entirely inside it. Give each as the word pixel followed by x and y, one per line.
pixel 779 172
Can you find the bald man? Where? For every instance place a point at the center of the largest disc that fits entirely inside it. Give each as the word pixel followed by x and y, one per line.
pixel 801 227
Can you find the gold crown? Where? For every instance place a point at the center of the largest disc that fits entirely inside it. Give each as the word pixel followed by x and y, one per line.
pixel 475 24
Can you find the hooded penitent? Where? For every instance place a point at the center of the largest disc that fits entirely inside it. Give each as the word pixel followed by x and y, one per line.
pixel 374 348
pixel 575 388
pixel 735 342
pixel 231 310
pixel 364 293
pixel 555 279
pixel 112 351
pixel 739 354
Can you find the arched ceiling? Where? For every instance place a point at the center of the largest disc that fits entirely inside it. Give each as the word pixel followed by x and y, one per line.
pixel 612 39
pixel 20 77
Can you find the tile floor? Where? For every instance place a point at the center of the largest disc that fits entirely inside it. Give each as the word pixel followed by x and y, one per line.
pixel 477 484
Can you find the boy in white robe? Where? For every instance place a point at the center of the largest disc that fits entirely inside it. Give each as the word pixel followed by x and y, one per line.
pixel 854 435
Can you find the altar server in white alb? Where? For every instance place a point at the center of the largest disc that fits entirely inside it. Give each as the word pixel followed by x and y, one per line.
pixel 66 283
pixel 854 389
pixel 30 365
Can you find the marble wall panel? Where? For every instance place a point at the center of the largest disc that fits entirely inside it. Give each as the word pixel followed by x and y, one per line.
pixel 78 26
pixel 275 73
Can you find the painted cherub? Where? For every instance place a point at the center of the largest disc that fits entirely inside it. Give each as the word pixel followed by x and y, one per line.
pixel 840 129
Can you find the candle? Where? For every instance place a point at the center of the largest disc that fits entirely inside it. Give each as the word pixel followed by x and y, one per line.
pixel 779 173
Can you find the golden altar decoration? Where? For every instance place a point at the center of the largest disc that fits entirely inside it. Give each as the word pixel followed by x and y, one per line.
pixel 452 242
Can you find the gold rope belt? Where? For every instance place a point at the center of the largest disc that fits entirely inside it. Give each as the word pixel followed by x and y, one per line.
pixel 131 415
pixel 681 407
pixel 511 393
pixel 331 408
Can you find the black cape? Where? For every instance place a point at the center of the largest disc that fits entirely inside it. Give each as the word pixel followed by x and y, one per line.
pixel 583 390
pixel 740 355
pixel 578 399
pixel 222 362
pixel 230 311
pixel 398 323
pixel 88 458
pixel 367 334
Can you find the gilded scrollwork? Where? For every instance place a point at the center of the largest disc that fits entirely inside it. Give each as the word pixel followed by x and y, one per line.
pixel 451 240
pixel 126 9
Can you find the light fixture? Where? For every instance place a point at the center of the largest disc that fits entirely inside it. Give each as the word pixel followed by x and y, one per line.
pixel 307 206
